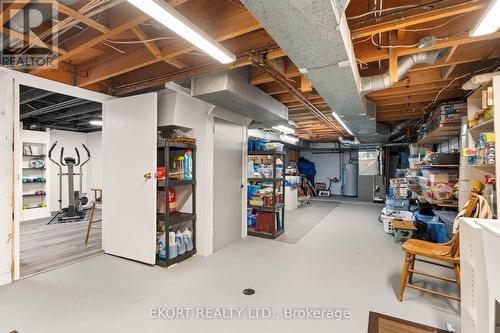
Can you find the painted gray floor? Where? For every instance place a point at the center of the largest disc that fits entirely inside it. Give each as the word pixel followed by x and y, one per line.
pixel 44 247
pixel 303 219
pixel 346 261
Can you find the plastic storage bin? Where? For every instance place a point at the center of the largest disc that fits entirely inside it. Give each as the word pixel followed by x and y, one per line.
pixel 387 216
pixel 264 222
pixel 431 226
pixel 397 204
pixel 251 218
pixel 251 189
pixel 274 146
pixel 448 218
pixel 437 232
pixel 257 145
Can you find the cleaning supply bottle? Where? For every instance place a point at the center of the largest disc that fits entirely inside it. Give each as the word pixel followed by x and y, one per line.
pixel 161 247
pixel 188 164
pixel 172 245
pixel 188 240
pixel 181 246
pixel 181 167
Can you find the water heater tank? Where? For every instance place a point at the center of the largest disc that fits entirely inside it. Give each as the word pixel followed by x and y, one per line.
pixel 350 180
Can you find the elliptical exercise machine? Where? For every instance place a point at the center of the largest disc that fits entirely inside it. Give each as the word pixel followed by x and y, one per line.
pixel 76 210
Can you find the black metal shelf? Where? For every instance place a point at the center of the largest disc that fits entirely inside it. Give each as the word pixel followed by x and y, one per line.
pixel 175 218
pixel 277 209
pixel 266 179
pixel 36 156
pixel 175 183
pixel 179 258
pixel 266 208
pixel 265 152
pixel 34 169
pixel 34 195
pixel 174 221
pixel 174 145
pixel 261 234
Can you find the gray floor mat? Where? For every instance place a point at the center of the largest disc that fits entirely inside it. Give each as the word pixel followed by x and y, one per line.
pixel 300 221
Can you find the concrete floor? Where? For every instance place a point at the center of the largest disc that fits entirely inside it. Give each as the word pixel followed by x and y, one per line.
pixel 345 261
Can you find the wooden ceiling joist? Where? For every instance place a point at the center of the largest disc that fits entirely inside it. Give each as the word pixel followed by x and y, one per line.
pixel 432 15
pixel 127 23
pixel 155 51
pixel 9 12
pixel 28 38
pixel 375 55
pixel 428 97
pixel 79 17
pixel 101 69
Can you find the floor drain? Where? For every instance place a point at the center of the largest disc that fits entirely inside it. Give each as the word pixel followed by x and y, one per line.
pixel 248 291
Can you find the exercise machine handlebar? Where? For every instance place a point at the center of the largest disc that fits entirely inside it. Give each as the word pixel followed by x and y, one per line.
pixel 77 157
pixel 50 154
pixel 88 154
pixel 62 159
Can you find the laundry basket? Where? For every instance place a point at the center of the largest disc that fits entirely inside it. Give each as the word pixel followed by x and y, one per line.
pixel 387 216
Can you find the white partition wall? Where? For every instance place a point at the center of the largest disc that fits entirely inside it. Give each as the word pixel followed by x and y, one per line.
pixel 7 123
pixel 10 195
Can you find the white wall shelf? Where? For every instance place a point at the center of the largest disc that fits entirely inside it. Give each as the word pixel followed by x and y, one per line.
pixel 34 194
pixel 477 172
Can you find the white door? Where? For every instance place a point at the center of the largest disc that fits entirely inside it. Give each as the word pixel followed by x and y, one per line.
pixel 228 159
pixel 129 196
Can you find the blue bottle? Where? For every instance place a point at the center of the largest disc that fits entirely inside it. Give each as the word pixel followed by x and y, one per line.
pixel 188 164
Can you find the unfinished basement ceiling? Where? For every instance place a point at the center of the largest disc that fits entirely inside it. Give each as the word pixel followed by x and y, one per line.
pixel 40 109
pixel 119 51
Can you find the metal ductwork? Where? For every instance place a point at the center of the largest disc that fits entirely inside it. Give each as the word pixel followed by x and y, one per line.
pixel 401 126
pixel 231 90
pixel 478 80
pixel 316 37
pixel 381 82
pixel 345 142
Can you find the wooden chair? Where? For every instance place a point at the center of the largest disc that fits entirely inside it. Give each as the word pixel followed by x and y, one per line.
pixel 448 253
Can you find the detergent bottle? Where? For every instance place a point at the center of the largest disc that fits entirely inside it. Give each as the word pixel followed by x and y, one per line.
pixel 188 164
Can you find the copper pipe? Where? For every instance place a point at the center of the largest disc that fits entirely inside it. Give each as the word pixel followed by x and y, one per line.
pixel 262 63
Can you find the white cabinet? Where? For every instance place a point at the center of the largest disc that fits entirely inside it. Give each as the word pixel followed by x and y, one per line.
pixel 480 279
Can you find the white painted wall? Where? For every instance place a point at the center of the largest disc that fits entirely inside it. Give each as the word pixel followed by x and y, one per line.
pixel 327 165
pixel 6 175
pixel 94 170
pixel 9 132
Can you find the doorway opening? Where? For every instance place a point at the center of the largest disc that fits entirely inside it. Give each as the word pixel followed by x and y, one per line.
pixel 59 188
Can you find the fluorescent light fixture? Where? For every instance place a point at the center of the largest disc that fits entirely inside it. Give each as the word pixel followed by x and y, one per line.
pixel 170 18
pixel 337 118
pixel 96 122
pixel 284 129
pixel 490 22
pixel 290 138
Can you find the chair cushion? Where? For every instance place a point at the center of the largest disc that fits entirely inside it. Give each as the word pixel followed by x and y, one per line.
pixel 429 249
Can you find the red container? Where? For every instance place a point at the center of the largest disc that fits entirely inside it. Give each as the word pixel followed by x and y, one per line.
pixel 264 222
pixel 160 173
pixel 162 201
